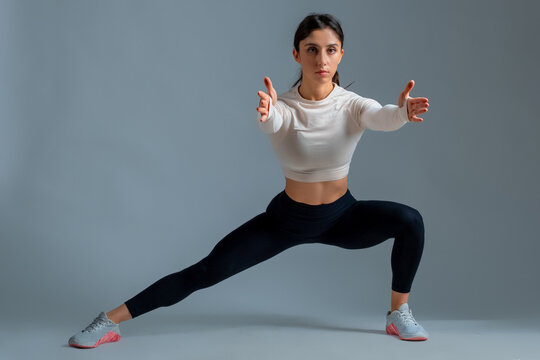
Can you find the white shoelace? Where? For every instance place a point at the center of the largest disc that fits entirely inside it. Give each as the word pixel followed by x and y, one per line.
pixel 408 318
pixel 96 324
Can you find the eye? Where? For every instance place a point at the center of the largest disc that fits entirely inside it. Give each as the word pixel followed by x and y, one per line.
pixel 311 48
pixel 332 49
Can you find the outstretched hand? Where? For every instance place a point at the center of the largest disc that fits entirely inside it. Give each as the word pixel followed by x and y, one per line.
pixel 264 103
pixel 415 106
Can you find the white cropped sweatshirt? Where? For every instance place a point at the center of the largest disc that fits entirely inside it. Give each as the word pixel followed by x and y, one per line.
pixel 314 140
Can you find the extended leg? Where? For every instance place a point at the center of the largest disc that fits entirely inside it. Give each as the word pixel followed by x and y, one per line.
pixel 251 243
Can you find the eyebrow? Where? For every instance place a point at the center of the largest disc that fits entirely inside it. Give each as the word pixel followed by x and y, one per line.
pixel 312 44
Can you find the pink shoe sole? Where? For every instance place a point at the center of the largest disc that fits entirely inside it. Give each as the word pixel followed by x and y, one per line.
pixel 111 336
pixel 392 330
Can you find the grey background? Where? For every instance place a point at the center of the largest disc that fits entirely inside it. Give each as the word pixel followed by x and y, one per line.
pixel 129 148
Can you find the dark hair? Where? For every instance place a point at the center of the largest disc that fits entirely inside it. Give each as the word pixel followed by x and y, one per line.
pixel 316 21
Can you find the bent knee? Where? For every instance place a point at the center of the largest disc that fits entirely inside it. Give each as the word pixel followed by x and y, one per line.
pixel 412 219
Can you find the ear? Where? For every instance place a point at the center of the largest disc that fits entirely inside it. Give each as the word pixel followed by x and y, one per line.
pixel 341 56
pixel 295 55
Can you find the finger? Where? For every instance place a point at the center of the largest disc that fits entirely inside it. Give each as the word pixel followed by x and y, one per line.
pixel 263 95
pixel 268 83
pixel 420 111
pixel 265 99
pixel 408 88
pixel 266 103
pixel 271 91
pixel 414 117
pixel 263 112
pixel 419 106
pixel 418 100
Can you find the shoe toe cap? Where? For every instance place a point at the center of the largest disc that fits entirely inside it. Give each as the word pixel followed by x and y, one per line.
pixel 415 333
pixel 80 340
pixel 72 340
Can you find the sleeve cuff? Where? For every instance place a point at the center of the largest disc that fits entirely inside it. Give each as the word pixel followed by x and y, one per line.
pixel 403 114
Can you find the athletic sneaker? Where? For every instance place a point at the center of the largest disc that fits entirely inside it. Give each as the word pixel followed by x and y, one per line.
pixel 401 322
pixel 101 330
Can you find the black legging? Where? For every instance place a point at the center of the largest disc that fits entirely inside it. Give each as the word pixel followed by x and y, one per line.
pixel 346 222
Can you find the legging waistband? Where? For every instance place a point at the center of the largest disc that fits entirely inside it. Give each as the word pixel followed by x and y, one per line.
pixel 328 210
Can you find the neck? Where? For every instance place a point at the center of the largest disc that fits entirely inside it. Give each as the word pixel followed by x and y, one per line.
pixel 315 92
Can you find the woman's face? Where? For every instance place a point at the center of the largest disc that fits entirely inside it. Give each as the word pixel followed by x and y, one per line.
pixel 321 50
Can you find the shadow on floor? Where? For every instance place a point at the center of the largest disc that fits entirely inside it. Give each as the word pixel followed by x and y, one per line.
pixel 204 322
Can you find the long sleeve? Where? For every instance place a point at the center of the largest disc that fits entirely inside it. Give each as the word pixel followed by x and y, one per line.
pixel 277 116
pixel 372 115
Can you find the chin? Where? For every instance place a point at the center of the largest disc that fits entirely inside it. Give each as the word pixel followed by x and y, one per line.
pixel 324 79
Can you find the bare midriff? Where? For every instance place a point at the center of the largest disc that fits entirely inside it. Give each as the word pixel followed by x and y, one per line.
pixel 316 193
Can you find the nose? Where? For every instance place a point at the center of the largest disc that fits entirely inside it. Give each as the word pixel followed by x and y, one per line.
pixel 322 59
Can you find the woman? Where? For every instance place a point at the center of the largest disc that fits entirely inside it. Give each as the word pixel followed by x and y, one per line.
pixel 314 128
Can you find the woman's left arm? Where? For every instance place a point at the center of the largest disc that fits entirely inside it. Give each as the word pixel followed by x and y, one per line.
pixel 370 114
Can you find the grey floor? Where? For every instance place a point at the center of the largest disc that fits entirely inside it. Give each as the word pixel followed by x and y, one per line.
pixel 260 336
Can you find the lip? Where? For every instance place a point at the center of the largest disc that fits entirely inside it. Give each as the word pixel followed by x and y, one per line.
pixel 322 72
